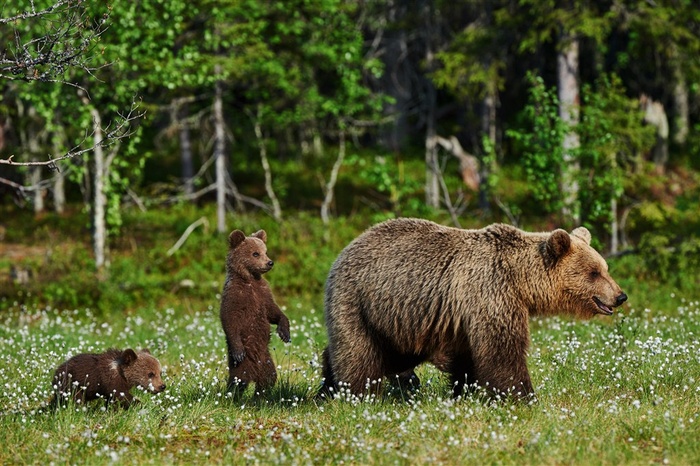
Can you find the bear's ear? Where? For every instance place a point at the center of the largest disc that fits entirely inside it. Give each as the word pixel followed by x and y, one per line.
pixel 235 238
pixel 260 234
pixel 582 233
pixel 558 244
pixel 145 350
pixel 128 357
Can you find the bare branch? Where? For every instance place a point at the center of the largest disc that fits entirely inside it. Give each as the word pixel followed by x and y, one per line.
pixel 187 233
pixel 67 34
pixel 34 14
pixel 112 134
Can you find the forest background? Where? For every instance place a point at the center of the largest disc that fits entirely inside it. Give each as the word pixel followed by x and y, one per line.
pixel 540 114
pixel 134 136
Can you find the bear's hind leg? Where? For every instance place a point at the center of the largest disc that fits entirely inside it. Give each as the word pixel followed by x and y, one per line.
pixel 461 370
pixel 328 385
pixel 361 370
pixel 266 374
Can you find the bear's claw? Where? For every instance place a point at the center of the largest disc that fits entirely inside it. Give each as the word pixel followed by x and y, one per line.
pixel 284 334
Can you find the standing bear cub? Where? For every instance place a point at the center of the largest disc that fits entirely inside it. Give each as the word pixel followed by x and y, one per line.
pixel 409 290
pixel 109 375
pixel 247 310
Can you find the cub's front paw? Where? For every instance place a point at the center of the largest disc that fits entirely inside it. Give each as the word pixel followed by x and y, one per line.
pixel 237 357
pixel 283 332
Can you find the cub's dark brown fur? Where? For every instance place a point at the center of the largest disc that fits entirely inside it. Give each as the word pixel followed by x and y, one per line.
pixel 247 310
pixel 408 291
pixel 109 375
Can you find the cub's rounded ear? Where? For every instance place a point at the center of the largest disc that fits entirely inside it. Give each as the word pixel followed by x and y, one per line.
pixel 260 234
pixel 145 350
pixel 128 356
pixel 235 238
pixel 582 233
pixel 558 244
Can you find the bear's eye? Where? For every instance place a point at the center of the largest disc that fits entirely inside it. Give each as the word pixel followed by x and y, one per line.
pixel 151 375
pixel 595 274
pixel 256 254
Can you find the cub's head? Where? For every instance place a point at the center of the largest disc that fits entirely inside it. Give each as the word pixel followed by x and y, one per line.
pixel 583 286
pixel 143 370
pixel 247 255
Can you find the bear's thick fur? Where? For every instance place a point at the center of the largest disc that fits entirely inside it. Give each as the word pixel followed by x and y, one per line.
pixel 247 310
pixel 109 375
pixel 409 290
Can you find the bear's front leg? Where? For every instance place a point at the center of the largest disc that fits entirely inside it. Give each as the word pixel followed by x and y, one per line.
pixel 276 316
pixel 236 350
pixel 504 374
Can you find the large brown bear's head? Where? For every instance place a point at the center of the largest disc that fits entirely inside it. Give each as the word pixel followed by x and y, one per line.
pixel 142 370
pixel 247 255
pixel 583 285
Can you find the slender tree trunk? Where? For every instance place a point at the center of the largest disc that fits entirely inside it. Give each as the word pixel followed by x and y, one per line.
pixel 31 141
pixel 330 186
pixel 396 81
pixel 567 65
pixel 655 115
pixel 219 148
pixel 614 228
pixel 59 181
pixel 59 192
pixel 185 150
pixel 488 127
pixel 276 209
pixel 432 183
pixel 38 194
pixel 680 100
pixel 680 103
pixel 100 201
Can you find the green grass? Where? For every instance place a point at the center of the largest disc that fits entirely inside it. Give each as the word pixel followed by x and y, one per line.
pixel 617 390
pixel 609 391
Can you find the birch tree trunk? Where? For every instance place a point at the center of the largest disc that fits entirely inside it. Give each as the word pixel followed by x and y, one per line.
pixel 567 66
pixel 330 186
pixel 100 200
pixel 614 228
pixel 220 161
pixel 59 181
pixel 185 151
pixel 276 209
pixel 38 193
pixel 432 185
pixel 59 192
pixel 488 126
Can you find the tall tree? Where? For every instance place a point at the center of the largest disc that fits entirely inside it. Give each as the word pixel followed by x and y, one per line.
pixel 565 23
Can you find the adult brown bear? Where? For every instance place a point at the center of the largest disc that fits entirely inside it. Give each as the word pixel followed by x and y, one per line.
pixel 409 290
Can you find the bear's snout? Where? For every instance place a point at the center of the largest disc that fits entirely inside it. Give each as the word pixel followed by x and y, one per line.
pixel 620 299
pixel 161 388
pixel 270 263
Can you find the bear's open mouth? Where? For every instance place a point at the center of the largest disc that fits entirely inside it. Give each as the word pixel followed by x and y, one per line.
pixel 603 308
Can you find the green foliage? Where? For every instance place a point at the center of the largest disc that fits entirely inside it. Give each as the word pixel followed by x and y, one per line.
pixel 612 137
pixel 388 176
pixel 541 143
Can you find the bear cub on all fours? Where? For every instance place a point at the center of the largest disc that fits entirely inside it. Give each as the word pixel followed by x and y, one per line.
pixel 109 375
pixel 247 310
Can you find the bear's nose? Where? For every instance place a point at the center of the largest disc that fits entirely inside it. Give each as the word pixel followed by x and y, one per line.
pixel 620 299
pixel 162 387
pixel 270 263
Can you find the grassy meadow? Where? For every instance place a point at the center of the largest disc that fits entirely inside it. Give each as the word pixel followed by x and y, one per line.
pixel 613 390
